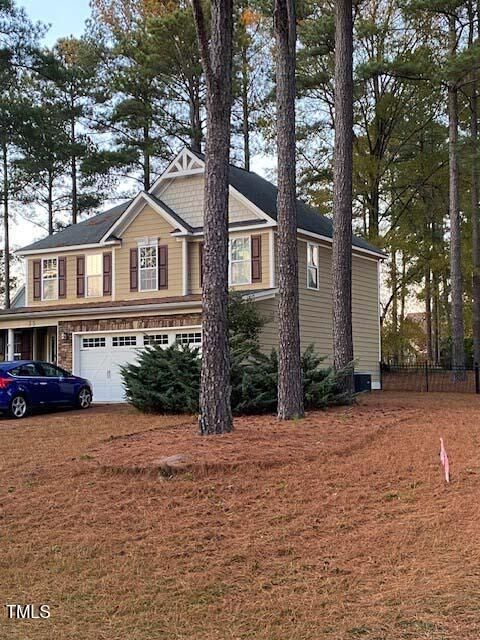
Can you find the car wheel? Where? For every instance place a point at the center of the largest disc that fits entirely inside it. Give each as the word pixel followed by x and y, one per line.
pixel 84 398
pixel 18 407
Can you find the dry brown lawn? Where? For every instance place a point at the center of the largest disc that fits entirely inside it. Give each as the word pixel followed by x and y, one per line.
pixel 338 526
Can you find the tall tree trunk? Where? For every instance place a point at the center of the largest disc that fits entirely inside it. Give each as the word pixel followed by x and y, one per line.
pixel 342 191
pixel 475 208
pixel 73 164
pixel 374 212
pixel 447 307
pixel 290 385
pixel 195 119
pixel 146 157
pixel 216 52
pixel 50 203
pixel 394 283
pixel 428 314
pixel 403 299
pixel 245 111
pixel 6 225
pixel 458 350
pixel 436 320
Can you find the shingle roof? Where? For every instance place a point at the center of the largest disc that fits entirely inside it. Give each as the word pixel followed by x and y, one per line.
pixel 170 211
pixel 259 191
pixel 263 194
pixel 87 232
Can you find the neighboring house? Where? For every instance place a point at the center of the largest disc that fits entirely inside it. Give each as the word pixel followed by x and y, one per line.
pixel 132 276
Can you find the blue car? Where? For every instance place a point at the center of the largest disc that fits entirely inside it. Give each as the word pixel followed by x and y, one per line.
pixel 27 385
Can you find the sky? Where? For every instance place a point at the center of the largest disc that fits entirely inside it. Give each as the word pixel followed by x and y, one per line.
pixel 66 17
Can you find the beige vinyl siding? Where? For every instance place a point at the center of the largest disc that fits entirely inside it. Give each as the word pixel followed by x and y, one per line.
pixel 194 264
pixel 269 334
pixel 194 267
pixel 71 278
pixel 315 309
pixel 148 223
pixel 185 197
pixel 365 316
pixel 315 306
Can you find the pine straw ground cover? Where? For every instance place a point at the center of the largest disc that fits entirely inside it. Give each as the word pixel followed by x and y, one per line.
pixel 338 526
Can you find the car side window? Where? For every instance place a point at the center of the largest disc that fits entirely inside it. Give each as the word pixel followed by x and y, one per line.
pixel 25 370
pixel 50 371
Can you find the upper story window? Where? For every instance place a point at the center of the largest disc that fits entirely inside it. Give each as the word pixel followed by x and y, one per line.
pixel 94 275
pixel 49 279
pixel 240 265
pixel 148 266
pixel 313 251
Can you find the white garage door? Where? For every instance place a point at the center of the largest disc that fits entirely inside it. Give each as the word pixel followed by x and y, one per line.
pixel 100 356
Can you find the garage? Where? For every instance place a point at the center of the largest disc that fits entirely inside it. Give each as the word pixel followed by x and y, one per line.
pixel 99 356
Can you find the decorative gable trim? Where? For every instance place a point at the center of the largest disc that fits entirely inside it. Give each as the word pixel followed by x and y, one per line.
pixel 187 164
pixel 136 207
pixel 184 164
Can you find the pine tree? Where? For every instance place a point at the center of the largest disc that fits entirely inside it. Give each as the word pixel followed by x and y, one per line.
pixel 290 394
pixel 216 52
pixel 342 190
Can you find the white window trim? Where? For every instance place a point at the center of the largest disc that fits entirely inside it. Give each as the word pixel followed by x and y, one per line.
pixel 311 266
pixel 94 275
pixel 56 279
pixel 144 244
pixel 230 262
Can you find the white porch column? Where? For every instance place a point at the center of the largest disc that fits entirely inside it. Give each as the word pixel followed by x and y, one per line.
pixel 185 266
pixel 34 343
pixel 10 344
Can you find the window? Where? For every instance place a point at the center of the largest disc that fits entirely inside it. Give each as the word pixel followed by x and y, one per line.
pixel 49 279
pixel 94 275
pixel 124 341
pixel 312 266
pixel 148 266
pixel 17 346
pixel 92 343
pixel 240 261
pixel 50 371
pixel 25 370
pixel 161 338
pixel 189 338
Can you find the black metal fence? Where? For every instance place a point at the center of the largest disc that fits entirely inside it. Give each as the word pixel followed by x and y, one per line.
pixel 427 377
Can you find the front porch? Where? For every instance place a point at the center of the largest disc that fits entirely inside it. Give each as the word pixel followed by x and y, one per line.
pixel 29 343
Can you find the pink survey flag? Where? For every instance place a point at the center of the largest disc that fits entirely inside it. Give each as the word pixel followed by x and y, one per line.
pixel 444 461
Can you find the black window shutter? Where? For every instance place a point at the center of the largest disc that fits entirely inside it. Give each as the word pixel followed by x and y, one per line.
pixel 163 266
pixel 134 269
pixel 80 276
pixel 256 258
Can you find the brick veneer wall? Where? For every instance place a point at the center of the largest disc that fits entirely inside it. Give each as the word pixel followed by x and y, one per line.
pixel 115 324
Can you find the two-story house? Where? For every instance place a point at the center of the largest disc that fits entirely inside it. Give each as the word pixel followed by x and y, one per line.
pixel 98 291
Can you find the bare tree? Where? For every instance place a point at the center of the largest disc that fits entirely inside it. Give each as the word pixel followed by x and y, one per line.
pixel 290 386
pixel 216 53
pixel 342 190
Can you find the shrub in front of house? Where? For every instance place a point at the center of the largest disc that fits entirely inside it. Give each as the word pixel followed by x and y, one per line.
pixel 164 380
pixel 168 380
pixel 255 382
